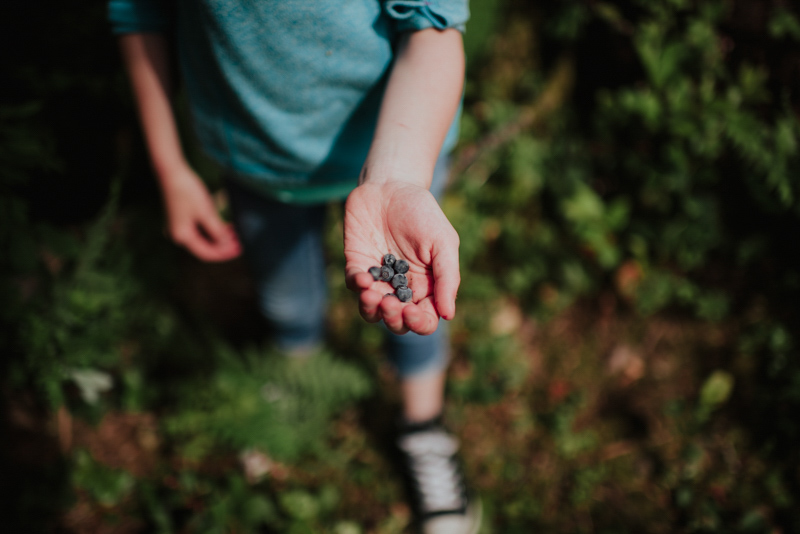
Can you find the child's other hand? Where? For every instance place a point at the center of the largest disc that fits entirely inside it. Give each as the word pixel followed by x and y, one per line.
pixel 404 220
pixel 193 218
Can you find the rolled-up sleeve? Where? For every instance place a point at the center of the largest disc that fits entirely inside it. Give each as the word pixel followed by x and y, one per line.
pixel 413 15
pixel 139 16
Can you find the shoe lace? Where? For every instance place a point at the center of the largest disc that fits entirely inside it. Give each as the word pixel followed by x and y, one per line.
pixel 434 469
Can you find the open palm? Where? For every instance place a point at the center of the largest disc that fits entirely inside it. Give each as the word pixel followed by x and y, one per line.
pixel 404 220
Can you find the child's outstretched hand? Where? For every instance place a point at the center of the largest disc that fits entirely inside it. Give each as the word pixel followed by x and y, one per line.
pixel 405 220
pixel 194 221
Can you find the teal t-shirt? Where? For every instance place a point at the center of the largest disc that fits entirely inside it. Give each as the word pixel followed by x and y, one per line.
pixel 284 94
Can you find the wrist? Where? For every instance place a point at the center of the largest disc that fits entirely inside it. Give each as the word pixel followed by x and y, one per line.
pixel 172 172
pixel 408 171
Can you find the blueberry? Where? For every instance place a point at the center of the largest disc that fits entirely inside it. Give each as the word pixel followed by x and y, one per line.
pixel 399 280
pixel 404 294
pixel 388 259
pixel 400 266
pixel 389 295
pixel 375 272
pixel 386 273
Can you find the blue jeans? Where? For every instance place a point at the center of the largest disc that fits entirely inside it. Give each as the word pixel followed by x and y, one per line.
pixel 283 245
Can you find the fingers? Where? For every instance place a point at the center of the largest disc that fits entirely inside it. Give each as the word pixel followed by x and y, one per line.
pixel 400 317
pixel 222 245
pixel 357 279
pixel 220 232
pixel 221 236
pixel 369 299
pixel 391 310
pixel 369 305
pixel 446 279
pixel 422 317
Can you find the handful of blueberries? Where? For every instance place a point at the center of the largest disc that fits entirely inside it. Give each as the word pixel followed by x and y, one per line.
pixel 394 271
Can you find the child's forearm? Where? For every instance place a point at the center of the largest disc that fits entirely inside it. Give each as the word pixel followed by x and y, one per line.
pixel 147 61
pixel 193 221
pixel 421 99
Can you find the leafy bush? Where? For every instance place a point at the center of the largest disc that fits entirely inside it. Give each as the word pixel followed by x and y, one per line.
pixel 639 156
pixel 648 151
pixel 265 402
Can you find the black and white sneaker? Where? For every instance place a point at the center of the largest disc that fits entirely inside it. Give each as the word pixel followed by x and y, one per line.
pixel 439 496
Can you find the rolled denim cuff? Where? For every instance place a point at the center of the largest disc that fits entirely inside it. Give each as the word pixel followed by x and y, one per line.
pixel 413 355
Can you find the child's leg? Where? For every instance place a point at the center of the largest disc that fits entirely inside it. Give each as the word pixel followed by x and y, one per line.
pixel 283 245
pixel 420 362
pixel 423 396
pixel 438 491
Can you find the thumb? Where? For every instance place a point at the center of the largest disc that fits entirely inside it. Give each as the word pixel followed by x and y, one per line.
pixel 446 279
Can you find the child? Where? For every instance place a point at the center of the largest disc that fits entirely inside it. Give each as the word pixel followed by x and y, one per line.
pixel 304 102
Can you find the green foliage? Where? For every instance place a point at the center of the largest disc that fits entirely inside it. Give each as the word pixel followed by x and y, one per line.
pixel 263 401
pixel 668 176
pixel 650 175
pixel 715 391
pixel 74 327
pixel 234 505
pixel 496 368
pixel 784 24
pixel 106 486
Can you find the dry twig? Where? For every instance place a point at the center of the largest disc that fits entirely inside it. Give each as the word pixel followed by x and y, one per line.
pixel 556 90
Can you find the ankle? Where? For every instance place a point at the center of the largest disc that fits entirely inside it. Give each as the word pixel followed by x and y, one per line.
pixel 409 426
